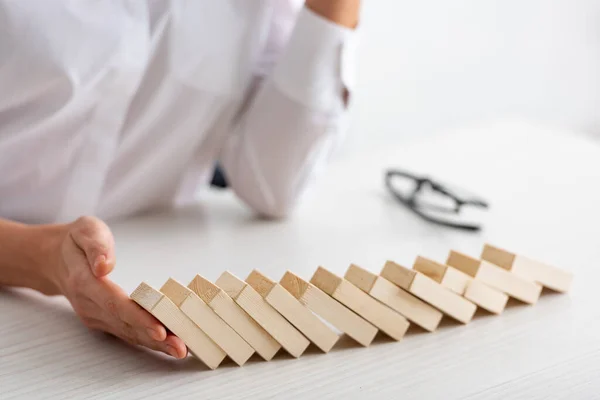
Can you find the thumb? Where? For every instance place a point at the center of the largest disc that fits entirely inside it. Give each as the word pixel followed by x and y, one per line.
pixel 95 239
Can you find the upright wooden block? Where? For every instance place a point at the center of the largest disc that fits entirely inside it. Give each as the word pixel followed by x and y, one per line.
pixel 329 309
pixel 287 305
pixel 380 315
pixel 479 293
pixel 198 311
pixel 496 277
pixel 226 308
pixel 430 291
pixel 263 313
pixel 546 275
pixel 414 309
pixel 177 322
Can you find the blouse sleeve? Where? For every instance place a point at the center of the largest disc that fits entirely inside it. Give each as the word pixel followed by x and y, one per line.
pixel 294 119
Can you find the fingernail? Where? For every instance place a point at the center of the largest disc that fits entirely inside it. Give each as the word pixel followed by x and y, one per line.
pixel 172 351
pixel 152 333
pixel 99 260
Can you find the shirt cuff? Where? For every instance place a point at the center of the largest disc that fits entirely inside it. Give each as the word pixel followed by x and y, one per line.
pixel 317 68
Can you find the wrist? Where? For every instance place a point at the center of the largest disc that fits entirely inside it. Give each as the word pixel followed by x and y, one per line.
pixel 49 259
pixel 31 256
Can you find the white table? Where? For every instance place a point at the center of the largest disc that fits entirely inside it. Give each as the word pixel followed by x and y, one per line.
pixel 544 187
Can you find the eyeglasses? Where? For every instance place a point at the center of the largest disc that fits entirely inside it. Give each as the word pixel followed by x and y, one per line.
pixel 411 190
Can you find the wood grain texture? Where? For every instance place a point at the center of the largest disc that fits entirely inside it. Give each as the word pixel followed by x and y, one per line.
pixel 496 277
pixel 204 288
pixel 293 310
pixel 450 278
pixel 260 282
pixel 175 291
pixel 231 284
pixel 360 277
pixel 302 318
pixel 329 309
pixel 462 284
pixel 398 275
pixel 226 308
pixel 546 275
pixel 209 322
pixel 399 300
pixel 326 281
pixel 294 284
pixel 380 315
pixel 146 296
pixel 265 315
pixel 443 299
pixel 486 297
pixel 175 320
pixel 430 291
pixel 463 262
pixel 498 256
pixel 511 284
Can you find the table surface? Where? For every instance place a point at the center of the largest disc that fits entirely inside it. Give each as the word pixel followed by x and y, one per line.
pixel 544 189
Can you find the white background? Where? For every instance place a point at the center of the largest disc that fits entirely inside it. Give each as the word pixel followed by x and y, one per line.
pixel 437 64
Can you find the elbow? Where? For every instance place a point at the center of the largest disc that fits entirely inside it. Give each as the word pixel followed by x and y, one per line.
pixel 274 210
pixel 272 195
pixel 270 205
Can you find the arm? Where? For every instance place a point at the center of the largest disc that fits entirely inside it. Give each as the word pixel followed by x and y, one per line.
pixel 342 12
pixel 74 260
pixel 297 113
pixel 24 255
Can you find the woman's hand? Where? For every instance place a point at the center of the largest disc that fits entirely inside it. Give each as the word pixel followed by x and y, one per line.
pixel 82 262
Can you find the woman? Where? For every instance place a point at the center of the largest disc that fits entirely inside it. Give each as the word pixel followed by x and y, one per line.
pixel 109 109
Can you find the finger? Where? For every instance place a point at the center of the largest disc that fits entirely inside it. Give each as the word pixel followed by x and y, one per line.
pixel 135 328
pixel 95 239
pixel 177 345
pixel 127 320
pixel 144 342
pixel 172 345
pixel 94 324
pixel 119 307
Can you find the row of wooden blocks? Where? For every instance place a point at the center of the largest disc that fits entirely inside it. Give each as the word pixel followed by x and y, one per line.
pixel 236 318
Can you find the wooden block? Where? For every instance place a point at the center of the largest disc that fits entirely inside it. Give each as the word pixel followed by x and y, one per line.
pixel 430 291
pixel 477 292
pixel 380 315
pixel 198 311
pixel 451 278
pixel 329 309
pixel 263 313
pixel 411 307
pixel 226 308
pixel 486 297
pixel 546 275
pixel 295 312
pixel 496 277
pixel 177 322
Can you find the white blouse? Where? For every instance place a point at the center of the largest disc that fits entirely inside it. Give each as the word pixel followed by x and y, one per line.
pixel 112 108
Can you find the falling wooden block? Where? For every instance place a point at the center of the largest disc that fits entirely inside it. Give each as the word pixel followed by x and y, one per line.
pixel 477 292
pixel 177 322
pixel 430 291
pixel 546 275
pixel 295 312
pixel 496 277
pixel 329 309
pixel 411 307
pixel 202 315
pixel 226 308
pixel 263 313
pixel 380 315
